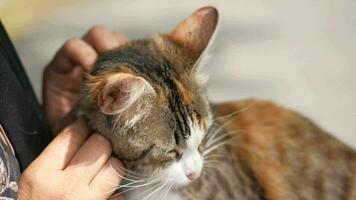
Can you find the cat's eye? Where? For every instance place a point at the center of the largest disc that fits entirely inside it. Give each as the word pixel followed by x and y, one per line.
pixel 197 114
pixel 174 153
pixel 201 148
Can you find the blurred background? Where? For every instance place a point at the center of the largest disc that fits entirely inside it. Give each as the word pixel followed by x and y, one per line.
pixel 299 53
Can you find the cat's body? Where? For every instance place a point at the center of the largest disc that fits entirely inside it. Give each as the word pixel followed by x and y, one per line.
pixel 147 98
pixel 277 154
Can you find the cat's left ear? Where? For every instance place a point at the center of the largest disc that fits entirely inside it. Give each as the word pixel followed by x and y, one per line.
pixel 196 31
pixel 116 92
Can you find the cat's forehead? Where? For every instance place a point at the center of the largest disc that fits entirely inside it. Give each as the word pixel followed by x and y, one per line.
pixel 157 54
pixel 158 60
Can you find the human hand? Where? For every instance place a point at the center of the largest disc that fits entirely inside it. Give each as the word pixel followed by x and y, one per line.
pixel 74 166
pixel 63 76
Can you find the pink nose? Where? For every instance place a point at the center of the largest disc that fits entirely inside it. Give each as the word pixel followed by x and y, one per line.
pixel 192 176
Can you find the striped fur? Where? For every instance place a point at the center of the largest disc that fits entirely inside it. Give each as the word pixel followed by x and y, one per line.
pixel 146 97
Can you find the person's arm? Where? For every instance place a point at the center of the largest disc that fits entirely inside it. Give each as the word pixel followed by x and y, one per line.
pixel 73 166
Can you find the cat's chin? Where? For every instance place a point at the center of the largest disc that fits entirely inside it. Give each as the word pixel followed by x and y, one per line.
pixel 175 185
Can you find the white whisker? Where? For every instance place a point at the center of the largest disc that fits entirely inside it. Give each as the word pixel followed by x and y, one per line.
pixel 138 186
pixel 222 137
pixel 217 131
pixel 207 157
pixel 236 112
pixel 131 175
pixel 226 116
pixel 156 190
pixel 167 191
pixel 210 149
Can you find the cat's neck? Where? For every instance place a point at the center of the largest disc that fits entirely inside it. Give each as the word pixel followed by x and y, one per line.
pixel 225 178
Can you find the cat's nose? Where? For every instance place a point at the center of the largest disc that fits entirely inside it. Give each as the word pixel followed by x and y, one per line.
pixel 193 175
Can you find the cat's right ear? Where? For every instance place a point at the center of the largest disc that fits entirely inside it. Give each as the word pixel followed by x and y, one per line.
pixel 196 31
pixel 117 92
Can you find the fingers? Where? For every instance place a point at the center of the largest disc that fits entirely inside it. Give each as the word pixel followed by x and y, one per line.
pixel 75 52
pixel 121 38
pixel 60 151
pixel 107 180
pixel 93 154
pixel 88 171
pixel 84 52
pixel 102 39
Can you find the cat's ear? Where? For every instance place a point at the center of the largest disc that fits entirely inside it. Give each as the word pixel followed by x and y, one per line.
pixel 120 91
pixel 195 32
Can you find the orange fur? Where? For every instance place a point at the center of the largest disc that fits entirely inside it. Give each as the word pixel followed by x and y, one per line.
pixel 187 95
pixel 270 137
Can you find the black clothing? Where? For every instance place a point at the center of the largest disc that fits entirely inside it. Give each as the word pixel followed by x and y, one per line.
pixel 21 115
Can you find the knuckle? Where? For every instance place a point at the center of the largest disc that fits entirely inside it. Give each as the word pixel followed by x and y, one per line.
pixel 71 44
pixel 120 36
pixel 78 125
pixel 102 142
pixel 88 56
pixel 68 131
pixel 96 30
pixel 33 184
pixel 70 190
pixel 74 132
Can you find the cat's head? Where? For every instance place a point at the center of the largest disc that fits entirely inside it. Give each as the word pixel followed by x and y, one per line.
pixel 147 99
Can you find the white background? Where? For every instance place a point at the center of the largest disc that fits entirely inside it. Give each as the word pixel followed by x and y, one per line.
pixel 299 53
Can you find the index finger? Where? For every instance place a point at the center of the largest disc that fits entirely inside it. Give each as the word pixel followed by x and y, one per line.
pixel 62 149
pixel 103 39
pixel 74 52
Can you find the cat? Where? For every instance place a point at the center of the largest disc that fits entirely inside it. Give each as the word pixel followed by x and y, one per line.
pixel 147 97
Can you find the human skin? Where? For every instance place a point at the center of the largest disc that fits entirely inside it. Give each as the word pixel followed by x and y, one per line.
pixel 77 164
pixel 63 76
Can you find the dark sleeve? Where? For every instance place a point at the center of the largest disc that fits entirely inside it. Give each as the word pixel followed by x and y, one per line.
pixel 20 113
pixel 9 169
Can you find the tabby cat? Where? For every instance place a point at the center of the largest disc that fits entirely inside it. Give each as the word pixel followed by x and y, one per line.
pixel 147 97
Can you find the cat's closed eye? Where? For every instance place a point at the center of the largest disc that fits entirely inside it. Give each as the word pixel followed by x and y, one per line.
pixel 174 154
pixel 201 148
pixel 197 114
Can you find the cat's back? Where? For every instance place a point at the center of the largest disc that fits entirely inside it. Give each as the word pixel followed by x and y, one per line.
pixel 290 157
